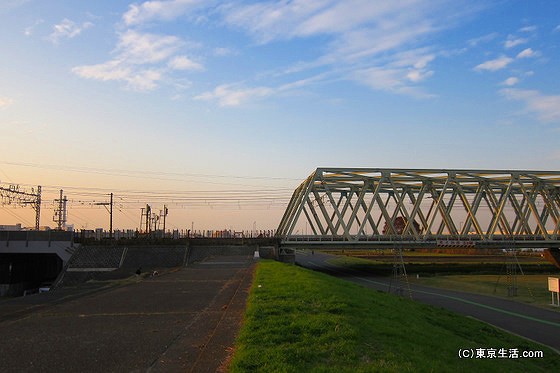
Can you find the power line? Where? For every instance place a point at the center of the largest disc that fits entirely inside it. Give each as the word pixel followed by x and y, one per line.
pixel 142 174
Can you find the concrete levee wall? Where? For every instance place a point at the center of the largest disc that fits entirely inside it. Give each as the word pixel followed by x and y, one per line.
pixel 154 257
pixel 199 253
pixel 101 262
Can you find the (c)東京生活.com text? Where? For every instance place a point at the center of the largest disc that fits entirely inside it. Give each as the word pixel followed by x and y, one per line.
pixel 498 353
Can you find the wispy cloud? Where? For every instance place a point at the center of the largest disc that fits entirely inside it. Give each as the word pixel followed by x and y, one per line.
pixel 511 81
pixel 229 95
pixel 359 39
pixel 528 53
pixel 142 60
pixel 495 64
pixel 67 29
pixel 482 40
pixel 160 10
pixel 513 41
pixel 10 4
pixel 184 63
pixel 5 102
pixel 547 108
pixel 528 29
pixel 141 48
pixel 29 30
pixel 365 41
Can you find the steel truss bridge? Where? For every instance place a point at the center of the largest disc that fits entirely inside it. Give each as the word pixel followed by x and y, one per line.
pixel 424 208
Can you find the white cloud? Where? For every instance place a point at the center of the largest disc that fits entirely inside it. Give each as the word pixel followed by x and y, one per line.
pixel 528 29
pixel 361 39
pixel 67 29
pixel 10 4
pixel 159 10
pixel 5 102
pixel 28 31
pixel 527 53
pixel 511 81
pixel 142 48
pixel 390 79
pixel 356 36
pixel 495 64
pixel 184 63
pixel 229 96
pixel 136 79
pixel 223 52
pixel 416 76
pixel 513 42
pixel 546 107
pixel 142 61
pixel 483 39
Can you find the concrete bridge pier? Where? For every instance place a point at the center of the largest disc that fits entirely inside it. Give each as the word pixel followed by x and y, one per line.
pixel 287 255
pixel 279 253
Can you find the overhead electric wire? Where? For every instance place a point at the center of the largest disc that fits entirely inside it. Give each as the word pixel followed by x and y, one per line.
pixel 148 174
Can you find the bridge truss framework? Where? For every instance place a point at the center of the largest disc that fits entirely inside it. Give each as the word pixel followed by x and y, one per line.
pixel 424 207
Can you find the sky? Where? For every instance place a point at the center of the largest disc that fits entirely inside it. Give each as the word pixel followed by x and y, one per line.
pixel 220 109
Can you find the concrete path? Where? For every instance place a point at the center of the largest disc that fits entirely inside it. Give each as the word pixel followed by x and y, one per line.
pixel 535 323
pixel 182 321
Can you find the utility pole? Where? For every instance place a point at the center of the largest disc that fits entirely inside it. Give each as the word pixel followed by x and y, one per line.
pixel 60 212
pixel 38 208
pixel 13 195
pixel 110 210
pixel 148 214
pixel 165 211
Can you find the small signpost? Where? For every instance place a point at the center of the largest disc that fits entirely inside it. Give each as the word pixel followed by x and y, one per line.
pixel 554 288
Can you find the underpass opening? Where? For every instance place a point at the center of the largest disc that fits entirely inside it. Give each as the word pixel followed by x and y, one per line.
pixel 26 273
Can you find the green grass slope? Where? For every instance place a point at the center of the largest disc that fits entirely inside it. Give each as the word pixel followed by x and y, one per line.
pixel 302 321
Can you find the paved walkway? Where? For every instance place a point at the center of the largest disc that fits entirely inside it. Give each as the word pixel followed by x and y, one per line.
pixel 182 321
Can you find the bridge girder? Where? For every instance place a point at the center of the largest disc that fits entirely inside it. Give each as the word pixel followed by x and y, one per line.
pixel 352 205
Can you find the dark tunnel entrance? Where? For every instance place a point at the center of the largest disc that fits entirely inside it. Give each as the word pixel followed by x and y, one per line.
pixel 25 273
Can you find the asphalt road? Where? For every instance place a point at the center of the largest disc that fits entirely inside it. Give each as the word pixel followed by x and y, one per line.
pixel 537 324
pixel 182 321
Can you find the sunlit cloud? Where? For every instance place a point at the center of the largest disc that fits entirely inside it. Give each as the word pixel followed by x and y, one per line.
pixel 547 108
pixel 67 29
pixel 495 64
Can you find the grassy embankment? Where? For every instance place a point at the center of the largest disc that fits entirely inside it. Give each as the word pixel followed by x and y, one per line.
pixel 299 321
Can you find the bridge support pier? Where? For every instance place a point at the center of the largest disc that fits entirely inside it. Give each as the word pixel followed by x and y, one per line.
pixel 287 255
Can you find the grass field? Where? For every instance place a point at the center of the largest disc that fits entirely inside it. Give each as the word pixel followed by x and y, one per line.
pixel 531 289
pixel 458 274
pixel 302 321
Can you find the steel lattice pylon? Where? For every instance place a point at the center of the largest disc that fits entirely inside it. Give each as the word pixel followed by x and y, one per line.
pixel 487 208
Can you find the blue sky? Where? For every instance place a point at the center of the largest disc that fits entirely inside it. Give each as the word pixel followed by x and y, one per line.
pixel 249 97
